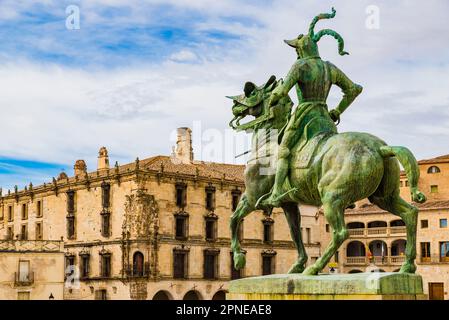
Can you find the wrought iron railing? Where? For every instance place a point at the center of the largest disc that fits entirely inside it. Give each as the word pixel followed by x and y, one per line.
pixel 23 279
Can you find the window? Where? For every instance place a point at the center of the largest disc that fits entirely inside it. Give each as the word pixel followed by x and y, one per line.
pixel 336 256
pixel 24 232
pixel 424 224
pixel 138 264
pixel 211 228
pixel 210 265
pixel 308 235
pixel 444 251
pixel 181 194
pixel 425 251
pixel 433 189
pixel 235 274
pixel 39 209
pixel 433 169
pixel 70 201
pixel 24 211
pixel 10 233
pixel 69 264
pixel 210 198
pixel 39 233
pixel 24 276
pixel 327 228
pixel 236 194
pixel 179 264
pixel 105 194
pixel 406 183
pixel 181 227
pixel 267 264
pixel 101 294
pixel 85 266
pixel 443 223
pixel 70 227
pixel 105 224
pixel 267 231
pixel 105 264
pixel 23 295
pixel 10 213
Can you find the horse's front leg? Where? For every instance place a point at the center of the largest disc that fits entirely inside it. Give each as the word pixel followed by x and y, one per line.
pixel 243 209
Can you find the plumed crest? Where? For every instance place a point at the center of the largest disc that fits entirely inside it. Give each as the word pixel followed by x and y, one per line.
pixel 329 32
pixel 320 17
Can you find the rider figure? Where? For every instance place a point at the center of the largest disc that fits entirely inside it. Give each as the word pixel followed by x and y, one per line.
pixel 313 78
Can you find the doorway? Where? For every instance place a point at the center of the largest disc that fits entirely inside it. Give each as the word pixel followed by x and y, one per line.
pixel 436 291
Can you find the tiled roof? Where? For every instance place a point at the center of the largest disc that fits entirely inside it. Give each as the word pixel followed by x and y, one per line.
pixel 440 159
pixel 371 208
pixel 201 168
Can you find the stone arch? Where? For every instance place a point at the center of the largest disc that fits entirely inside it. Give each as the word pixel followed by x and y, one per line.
pixel 138 264
pixel 397 223
pixel 355 249
pixel 192 295
pixel 377 224
pixel 398 247
pixel 355 271
pixel 433 169
pixel 355 225
pixel 219 295
pixel 163 295
pixel 378 248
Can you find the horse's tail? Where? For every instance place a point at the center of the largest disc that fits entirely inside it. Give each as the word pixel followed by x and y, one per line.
pixel 410 165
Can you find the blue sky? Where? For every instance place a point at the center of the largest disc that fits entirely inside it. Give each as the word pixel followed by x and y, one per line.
pixel 136 70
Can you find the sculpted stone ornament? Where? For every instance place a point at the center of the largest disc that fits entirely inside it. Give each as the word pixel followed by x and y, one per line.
pixel 315 164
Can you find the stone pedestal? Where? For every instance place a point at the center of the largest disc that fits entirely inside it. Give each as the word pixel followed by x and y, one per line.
pixel 356 286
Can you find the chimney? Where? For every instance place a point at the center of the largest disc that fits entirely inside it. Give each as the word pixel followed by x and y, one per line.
pixel 80 168
pixel 103 159
pixel 184 151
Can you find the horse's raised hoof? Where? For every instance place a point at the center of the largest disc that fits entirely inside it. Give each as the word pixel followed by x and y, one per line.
pixel 296 268
pixel 239 260
pixel 311 271
pixel 408 268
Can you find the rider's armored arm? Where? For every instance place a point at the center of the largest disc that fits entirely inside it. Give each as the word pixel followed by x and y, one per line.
pixel 283 89
pixel 350 89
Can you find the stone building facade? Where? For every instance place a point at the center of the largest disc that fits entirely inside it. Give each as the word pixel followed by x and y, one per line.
pixel 377 238
pixel 31 270
pixel 157 228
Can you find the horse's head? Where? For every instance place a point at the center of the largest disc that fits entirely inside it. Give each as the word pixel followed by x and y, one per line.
pixel 254 102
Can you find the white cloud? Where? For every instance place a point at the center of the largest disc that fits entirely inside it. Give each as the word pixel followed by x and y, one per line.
pixel 184 56
pixel 59 114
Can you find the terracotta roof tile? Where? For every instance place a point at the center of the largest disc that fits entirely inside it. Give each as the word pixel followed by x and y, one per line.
pixel 371 208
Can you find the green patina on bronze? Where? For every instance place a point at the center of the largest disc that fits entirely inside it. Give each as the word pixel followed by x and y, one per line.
pixel 314 164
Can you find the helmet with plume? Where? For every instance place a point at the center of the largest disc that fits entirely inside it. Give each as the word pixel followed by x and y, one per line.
pixel 306 45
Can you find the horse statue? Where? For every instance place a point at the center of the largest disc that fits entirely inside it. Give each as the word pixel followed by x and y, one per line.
pixel 332 170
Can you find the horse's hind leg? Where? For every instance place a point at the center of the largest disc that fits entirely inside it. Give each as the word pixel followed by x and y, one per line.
pixel 294 222
pixel 409 214
pixel 243 209
pixel 334 208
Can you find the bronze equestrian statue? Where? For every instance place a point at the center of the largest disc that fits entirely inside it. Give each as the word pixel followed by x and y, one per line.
pixel 315 164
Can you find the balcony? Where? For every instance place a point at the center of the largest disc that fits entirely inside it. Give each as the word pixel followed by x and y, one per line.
pixel 377 260
pixel 135 273
pixel 23 279
pixel 376 232
pixel 398 230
